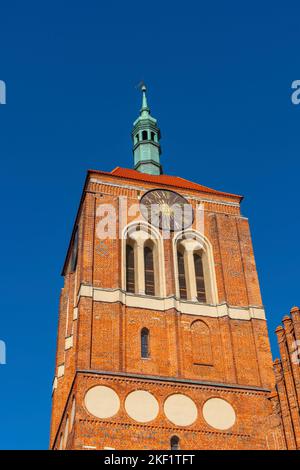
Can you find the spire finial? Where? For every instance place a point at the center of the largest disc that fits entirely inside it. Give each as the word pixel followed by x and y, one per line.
pixel 145 110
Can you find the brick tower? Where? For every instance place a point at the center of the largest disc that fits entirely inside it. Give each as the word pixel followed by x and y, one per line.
pixel 162 338
pixel 287 376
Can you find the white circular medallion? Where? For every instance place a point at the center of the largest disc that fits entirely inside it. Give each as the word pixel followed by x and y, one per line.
pixel 219 413
pixel 180 410
pixel 141 406
pixel 102 402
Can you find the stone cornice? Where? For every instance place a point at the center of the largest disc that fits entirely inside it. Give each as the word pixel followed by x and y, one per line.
pixel 175 381
pixel 186 195
pixel 166 303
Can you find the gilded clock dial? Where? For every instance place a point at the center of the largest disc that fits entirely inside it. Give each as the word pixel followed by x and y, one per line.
pixel 166 210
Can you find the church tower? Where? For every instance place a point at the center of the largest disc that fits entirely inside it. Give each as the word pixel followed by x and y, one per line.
pixel 162 336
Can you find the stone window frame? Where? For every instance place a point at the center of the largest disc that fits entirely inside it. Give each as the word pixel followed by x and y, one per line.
pixel 146 235
pixel 189 242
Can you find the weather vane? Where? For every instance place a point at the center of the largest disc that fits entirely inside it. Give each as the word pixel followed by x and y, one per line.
pixel 141 85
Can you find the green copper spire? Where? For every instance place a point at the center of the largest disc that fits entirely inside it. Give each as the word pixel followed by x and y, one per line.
pixel 146 135
pixel 145 110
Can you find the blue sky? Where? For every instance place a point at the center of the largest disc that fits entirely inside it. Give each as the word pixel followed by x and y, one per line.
pixel 219 76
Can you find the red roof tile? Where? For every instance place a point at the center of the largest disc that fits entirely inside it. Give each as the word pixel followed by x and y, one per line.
pixel 166 180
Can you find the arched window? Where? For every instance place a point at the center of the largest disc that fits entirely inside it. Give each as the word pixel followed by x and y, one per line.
pixel 130 284
pixel 137 137
pixel 194 268
pixel 152 136
pixel 174 441
pixel 201 343
pixel 143 260
pixel 144 135
pixel 200 286
pixel 145 343
pixel 181 276
pixel 149 271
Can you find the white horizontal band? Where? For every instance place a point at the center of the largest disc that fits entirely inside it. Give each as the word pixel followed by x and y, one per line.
pixel 157 303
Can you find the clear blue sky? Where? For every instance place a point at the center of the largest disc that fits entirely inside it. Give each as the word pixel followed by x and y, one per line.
pixel 219 76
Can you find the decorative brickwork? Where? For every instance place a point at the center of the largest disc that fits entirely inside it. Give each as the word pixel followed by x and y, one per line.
pixel 287 374
pixel 225 355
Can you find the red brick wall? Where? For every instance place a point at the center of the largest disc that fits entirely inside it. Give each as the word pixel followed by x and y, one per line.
pixel 121 432
pixel 106 336
pixel 287 373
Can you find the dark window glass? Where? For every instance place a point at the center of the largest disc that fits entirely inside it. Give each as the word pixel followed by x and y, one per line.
pixel 199 278
pixel 174 443
pixel 145 343
pixel 130 287
pixel 152 136
pixel 144 135
pixel 149 271
pixel 181 276
pixel 137 137
pixel 74 255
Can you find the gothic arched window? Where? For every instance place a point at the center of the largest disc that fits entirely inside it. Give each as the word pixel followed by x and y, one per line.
pixel 143 260
pixel 194 268
pixel 145 343
pixel 174 441
pixel 144 135
pixel 181 276
pixel 130 284
pixel 149 271
pixel 200 286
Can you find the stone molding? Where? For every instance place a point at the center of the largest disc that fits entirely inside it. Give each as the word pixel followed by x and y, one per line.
pixel 188 196
pixel 99 294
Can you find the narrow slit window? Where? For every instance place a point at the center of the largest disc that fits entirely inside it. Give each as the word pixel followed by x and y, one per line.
pixel 174 443
pixel 130 285
pixel 181 276
pixel 201 295
pixel 145 343
pixel 149 271
pixel 74 255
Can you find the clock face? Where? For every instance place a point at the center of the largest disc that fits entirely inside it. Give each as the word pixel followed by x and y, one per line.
pixel 166 210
